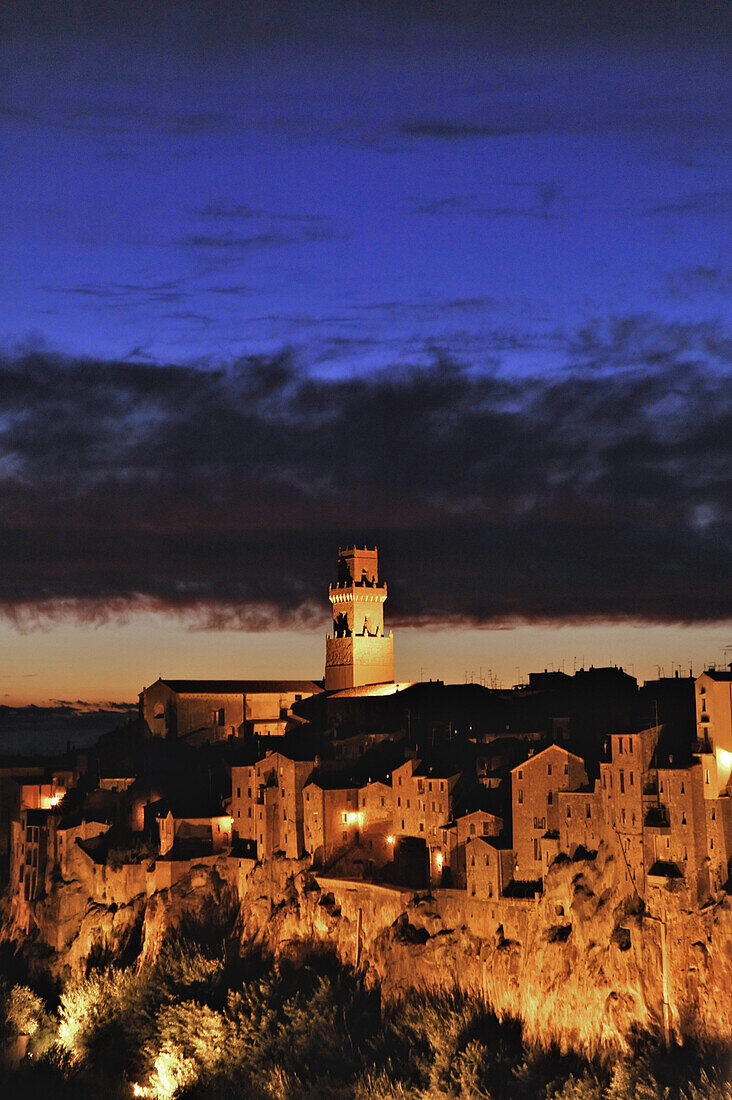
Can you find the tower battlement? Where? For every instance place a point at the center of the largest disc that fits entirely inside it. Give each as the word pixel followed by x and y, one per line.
pixel 358 652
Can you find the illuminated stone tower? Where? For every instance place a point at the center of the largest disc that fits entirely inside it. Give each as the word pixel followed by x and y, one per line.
pixel 358 652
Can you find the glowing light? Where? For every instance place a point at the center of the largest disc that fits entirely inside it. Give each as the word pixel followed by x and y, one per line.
pixel 390 840
pixel 354 817
pixel 438 858
pixel 56 799
pixel 725 758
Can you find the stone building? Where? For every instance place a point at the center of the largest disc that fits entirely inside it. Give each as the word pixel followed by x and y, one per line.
pixel 535 786
pixel 276 803
pixel 467 827
pixel 358 652
pixel 423 804
pixel 213 710
pixel 332 820
pixel 191 827
pixel 489 867
pixel 628 790
pixel 713 695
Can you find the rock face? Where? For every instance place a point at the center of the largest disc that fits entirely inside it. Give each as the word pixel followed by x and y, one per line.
pixel 583 967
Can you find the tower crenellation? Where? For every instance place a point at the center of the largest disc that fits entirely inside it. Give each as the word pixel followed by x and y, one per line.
pixel 358 652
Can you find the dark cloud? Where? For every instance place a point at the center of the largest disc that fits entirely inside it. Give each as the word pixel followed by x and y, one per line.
pixel 224 492
pixel 702 202
pixel 49 729
pixel 460 130
pixel 242 242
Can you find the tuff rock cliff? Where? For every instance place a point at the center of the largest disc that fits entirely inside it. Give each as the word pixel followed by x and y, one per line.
pixel 584 966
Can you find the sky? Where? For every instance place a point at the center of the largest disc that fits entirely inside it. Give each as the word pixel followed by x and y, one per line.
pixel 449 278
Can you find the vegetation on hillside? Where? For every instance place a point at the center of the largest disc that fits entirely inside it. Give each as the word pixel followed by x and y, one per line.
pixel 208 1023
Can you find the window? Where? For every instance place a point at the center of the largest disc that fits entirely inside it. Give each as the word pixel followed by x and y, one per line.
pixel 620 746
pixel 433 807
pixel 430 786
pixel 682 789
pixel 622 814
pixel 399 800
pixel 383 802
pixel 249 812
pixel 548 769
pixel 550 798
pixel 472 828
pixel 537 848
pixel 603 780
pixel 486 828
pixel 238 792
pixel 520 797
pixel 421 826
pixel 566 769
pixel 630 777
pixel 683 819
pixel 630 745
pixel 442 785
pixel 407 803
pixel 402 824
pixel 487 861
pixel 622 781
pixel 221 717
pixel 589 810
pixel 521 774
pixel 569 810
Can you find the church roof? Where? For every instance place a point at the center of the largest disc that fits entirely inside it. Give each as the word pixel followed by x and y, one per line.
pixel 241 687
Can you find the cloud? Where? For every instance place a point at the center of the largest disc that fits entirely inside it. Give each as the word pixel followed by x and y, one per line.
pixel 701 202
pixel 242 242
pixel 34 729
pixel 458 131
pixel 222 492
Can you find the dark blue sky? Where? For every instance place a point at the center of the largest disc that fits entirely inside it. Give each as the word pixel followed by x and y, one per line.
pixel 449 277
pixel 183 181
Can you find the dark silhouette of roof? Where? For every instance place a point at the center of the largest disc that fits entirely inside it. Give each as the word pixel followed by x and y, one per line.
pixel 718 674
pixel 240 687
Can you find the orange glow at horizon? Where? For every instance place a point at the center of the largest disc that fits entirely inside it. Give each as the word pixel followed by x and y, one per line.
pixel 113 662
